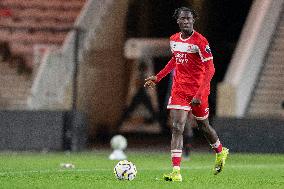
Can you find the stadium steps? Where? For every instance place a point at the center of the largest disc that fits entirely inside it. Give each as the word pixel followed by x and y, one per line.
pixel 269 92
pixel 15 87
pixel 23 30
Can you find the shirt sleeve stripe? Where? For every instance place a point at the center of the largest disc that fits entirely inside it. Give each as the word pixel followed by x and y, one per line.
pixel 206 59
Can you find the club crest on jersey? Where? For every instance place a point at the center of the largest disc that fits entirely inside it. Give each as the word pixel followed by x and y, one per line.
pixel 191 48
pixel 207 49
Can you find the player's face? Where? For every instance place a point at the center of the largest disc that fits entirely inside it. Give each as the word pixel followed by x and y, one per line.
pixel 185 21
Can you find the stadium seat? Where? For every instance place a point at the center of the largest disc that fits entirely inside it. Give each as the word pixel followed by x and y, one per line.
pixel 6 12
pixel 24 25
pixel 35 15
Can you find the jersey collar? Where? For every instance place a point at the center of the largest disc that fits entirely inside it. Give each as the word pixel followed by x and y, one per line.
pixel 186 38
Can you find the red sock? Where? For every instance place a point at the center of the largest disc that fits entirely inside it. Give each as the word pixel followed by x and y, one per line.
pixel 217 146
pixel 176 157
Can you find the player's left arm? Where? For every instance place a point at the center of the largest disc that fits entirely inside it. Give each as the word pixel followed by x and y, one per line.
pixel 209 72
pixel 207 60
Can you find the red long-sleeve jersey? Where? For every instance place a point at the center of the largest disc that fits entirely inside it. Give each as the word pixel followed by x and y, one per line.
pixel 193 63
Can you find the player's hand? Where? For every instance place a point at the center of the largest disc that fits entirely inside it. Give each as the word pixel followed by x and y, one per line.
pixel 195 101
pixel 150 82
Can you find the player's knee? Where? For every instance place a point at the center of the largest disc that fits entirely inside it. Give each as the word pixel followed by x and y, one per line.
pixel 178 127
pixel 203 126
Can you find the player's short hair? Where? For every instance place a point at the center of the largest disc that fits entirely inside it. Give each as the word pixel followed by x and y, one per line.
pixel 178 11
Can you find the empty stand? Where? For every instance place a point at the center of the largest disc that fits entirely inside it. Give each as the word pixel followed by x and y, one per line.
pixel 37 22
pixel 269 92
pixel 30 23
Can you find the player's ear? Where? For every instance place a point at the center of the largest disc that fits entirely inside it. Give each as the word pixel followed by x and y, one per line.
pixel 178 21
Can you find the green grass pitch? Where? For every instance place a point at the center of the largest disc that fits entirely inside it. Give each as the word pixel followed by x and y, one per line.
pixel 94 170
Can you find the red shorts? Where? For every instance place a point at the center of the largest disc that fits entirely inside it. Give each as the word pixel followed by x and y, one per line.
pixel 181 101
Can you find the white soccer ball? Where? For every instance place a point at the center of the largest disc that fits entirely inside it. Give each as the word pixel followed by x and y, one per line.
pixel 125 170
pixel 118 142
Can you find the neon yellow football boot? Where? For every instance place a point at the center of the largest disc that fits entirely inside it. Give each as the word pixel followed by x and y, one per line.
pixel 174 176
pixel 220 160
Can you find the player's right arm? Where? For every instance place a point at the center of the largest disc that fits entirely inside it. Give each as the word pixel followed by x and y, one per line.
pixel 151 81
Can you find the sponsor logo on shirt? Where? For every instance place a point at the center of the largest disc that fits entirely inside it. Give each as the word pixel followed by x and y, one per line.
pixel 181 58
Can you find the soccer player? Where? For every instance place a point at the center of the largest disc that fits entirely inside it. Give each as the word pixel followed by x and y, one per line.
pixel 193 63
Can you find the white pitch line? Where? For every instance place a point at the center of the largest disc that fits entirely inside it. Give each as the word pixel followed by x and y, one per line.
pixel 44 171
